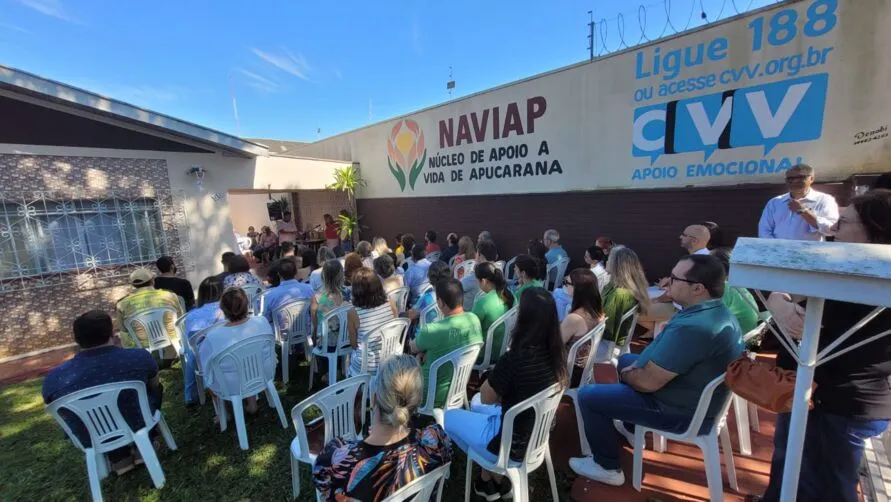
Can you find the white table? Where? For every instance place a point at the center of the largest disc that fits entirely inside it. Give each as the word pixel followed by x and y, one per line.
pixel 856 273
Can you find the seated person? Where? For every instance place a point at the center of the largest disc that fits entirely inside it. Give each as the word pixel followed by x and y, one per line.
pixel 527 270
pixel 536 360
pixel 240 274
pixel 485 252
pixel 739 300
pixel 661 386
pixel 416 275
pixel 308 264
pixel 386 270
pixel 627 289
pixel 372 310
pixel 206 315
pixel 328 298
pixel 586 312
pixel 168 281
pixel 393 454
pixel 430 241
pixel 239 326
pixel 288 290
pixel 364 249
pixel 494 303
pixel 451 249
pixel 145 297
pixel 596 259
pixel 456 330
pixel 466 251
pixel 101 361
pixel 315 278
pixel 267 242
pixel 438 271
pixel 555 251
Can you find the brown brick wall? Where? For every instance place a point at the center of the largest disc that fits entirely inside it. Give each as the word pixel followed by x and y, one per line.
pixel 36 318
pixel 648 221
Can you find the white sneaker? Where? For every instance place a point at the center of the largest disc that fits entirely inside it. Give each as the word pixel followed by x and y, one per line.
pixel 628 435
pixel 587 467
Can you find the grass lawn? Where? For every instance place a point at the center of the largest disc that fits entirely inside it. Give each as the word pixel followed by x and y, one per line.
pixel 37 462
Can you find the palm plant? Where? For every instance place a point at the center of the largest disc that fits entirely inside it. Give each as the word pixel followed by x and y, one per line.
pixel 348 179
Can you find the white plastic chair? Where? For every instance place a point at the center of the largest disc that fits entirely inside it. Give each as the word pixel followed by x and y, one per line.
pixel 745 412
pixel 246 356
pixel 509 271
pixel 461 361
pixel 464 268
pixel 337 404
pixel 500 265
pixel 509 321
pixel 97 409
pixel 422 488
pixel 193 342
pixel 708 442
pixel 592 339
pixel 261 302
pixel 153 322
pixel 392 341
pixel 253 292
pixel 292 326
pixel 342 348
pixel 399 296
pixel 430 314
pixel 479 294
pixel 555 273
pixel 434 256
pixel 613 351
pixel 452 262
pixel 544 405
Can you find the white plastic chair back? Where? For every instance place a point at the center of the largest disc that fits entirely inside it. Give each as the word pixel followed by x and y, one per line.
pixel 425 288
pixel 509 321
pixel 434 256
pixel 253 292
pixel 336 403
pixel 292 322
pixel 340 315
pixel 399 296
pixel 545 405
pixel 452 262
pixel 430 314
pixel 705 400
pixel 261 302
pixel 153 322
pixel 193 342
pixel 392 341
pixel 461 361
pixel 509 270
pixel 464 268
pixel 422 488
pixel 500 265
pixel 591 339
pixel 247 356
pixel 555 273
pixel 479 294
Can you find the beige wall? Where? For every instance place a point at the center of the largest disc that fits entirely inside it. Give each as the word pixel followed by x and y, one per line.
pixel 249 209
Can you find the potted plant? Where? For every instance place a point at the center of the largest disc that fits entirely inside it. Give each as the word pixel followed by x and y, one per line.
pixel 348 179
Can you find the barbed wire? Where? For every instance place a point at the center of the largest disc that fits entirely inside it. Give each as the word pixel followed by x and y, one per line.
pixel 601 38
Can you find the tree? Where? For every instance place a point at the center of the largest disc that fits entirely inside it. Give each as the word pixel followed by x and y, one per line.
pixel 348 179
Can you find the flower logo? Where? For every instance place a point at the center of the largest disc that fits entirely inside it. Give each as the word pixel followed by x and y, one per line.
pixel 406 150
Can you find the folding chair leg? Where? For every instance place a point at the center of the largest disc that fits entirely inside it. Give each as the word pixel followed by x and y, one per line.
pixel 93 475
pixel 659 442
pixel 240 428
pixel 520 481
pixel 295 477
pixel 312 371
pixel 741 412
pixel 202 392
pixel 553 478
pixel 219 405
pixel 712 458
pixel 754 422
pixel 467 479
pixel 640 439
pixel 270 391
pixel 168 436
pixel 152 464
pixel 332 370
pixel 286 355
pixel 583 437
pixel 728 459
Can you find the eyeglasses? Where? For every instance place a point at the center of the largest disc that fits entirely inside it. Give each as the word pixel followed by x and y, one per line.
pixel 796 178
pixel 567 282
pixel 676 278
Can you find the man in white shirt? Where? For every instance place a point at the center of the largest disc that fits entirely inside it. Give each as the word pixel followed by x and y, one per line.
pixel 695 239
pixel 287 229
pixel 803 214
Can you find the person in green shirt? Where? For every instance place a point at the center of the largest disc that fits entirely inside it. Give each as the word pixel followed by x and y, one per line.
pixel 456 330
pixel 626 289
pixel 739 300
pixel 495 301
pixel 527 270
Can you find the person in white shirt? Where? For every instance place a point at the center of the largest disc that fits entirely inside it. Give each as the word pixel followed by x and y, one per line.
pixel 595 257
pixel 695 239
pixel 286 228
pixel 802 214
pixel 239 326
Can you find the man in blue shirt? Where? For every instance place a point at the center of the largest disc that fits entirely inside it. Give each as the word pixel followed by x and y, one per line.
pixel 802 214
pixel 415 277
pixel 288 290
pixel 100 361
pixel 555 250
pixel 660 388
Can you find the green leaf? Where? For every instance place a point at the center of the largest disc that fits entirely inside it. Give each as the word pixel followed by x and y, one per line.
pixel 398 174
pixel 416 170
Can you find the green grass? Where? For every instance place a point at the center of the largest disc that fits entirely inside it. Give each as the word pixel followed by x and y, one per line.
pixel 37 462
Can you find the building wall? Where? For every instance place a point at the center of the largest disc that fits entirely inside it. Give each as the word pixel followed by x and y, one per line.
pixel 313 204
pixel 249 209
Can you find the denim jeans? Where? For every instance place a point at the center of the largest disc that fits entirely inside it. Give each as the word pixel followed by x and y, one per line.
pixel 830 463
pixel 600 404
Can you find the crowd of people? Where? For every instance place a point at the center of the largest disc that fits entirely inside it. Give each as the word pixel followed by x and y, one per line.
pixel 703 323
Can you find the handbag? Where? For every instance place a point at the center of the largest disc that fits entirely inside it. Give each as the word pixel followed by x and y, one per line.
pixel 763 384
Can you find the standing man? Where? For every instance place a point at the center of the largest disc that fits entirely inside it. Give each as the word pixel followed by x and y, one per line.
pixel 555 250
pixel 287 229
pixel 803 214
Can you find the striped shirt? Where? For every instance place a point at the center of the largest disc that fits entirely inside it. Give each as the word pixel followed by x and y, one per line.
pixel 369 320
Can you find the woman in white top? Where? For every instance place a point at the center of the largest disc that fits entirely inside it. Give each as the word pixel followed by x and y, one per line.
pixel 239 326
pixel 595 258
pixel 386 271
pixel 372 310
pixel 363 249
pixel 379 247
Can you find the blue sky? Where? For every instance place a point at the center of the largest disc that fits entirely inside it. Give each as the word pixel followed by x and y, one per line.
pixel 299 66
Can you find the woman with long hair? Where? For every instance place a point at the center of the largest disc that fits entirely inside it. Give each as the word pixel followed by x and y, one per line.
pixel 466 251
pixel 536 360
pixel 379 247
pixel 323 256
pixel 386 271
pixel 438 271
pixel 363 249
pixel 204 315
pixel 351 263
pixel 493 303
pixel 539 251
pixel 394 453
pixel 627 289
pixel 585 313
pixel 240 274
pixel 372 310
pixel 328 298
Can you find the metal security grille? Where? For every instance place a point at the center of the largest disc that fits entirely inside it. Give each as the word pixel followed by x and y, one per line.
pixel 49 238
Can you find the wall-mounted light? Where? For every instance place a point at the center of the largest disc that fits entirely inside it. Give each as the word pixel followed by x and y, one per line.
pixel 198 173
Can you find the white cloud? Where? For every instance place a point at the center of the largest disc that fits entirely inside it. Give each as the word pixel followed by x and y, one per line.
pixel 52 8
pixel 12 27
pixel 258 81
pixel 286 62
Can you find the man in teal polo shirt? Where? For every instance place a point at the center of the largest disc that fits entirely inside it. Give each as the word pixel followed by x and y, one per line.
pixel 660 388
pixel 456 330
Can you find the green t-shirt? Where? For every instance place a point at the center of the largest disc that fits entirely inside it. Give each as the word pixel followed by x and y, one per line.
pixel 440 338
pixel 616 303
pixel 488 308
pixel 742 304
pixel 523 287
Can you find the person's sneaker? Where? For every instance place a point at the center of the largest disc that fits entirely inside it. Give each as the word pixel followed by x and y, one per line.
pixel 486 490
pixel 587 467
pixel 506 489
pixel 628 435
